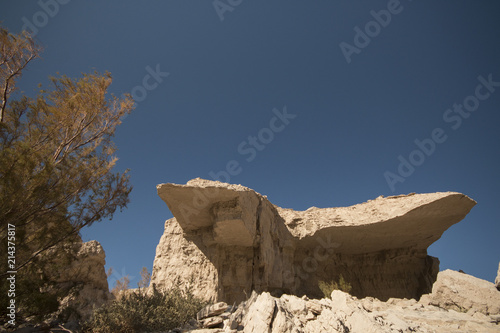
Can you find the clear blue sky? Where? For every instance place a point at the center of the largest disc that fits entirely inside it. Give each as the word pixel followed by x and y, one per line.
pixel 352 119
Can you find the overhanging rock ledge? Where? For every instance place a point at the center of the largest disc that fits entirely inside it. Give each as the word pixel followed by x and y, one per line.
pixel 227 240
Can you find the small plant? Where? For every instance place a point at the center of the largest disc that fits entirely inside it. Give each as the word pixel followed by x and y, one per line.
pixel 145 278
pixel 120 286
pixel 139 311
pixel 328 287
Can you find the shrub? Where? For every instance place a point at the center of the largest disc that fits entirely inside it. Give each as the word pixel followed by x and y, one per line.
pixel 328 287
pixel 120 286
pixel 140 311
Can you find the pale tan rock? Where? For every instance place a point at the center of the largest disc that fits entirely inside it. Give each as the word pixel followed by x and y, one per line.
pixel 283 319
pixel 383 237
pixel 314 306
pixel 310 316
pixel 211 310
pixel 228 240
pixel 297 306
pixel 83 275
pixel 415 220
pixel 179 260
pixel 259 314
pixel 464 293
pixel 497 280
pixel 345 313
pixel 212 322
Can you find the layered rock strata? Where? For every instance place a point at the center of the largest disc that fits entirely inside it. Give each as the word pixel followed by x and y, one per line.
pixel 228 240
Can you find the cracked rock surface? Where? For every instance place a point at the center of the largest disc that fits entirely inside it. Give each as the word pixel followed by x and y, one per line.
pixel 227 240
pixel 343 313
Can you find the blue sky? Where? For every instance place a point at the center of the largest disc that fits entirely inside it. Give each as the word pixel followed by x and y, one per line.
pixel 356 101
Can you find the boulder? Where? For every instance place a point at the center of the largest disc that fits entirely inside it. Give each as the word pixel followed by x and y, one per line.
pixel 464 293
pixel 345 313
pixel 227 240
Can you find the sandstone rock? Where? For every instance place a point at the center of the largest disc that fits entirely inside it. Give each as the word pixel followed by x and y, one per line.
pixel 180 260
pixel 345 313
pixel 259 313
pixel 497 280
pixel 464 293
pixel 211 310
pixel 228 240
pixel 212 322
pixel 314 307
pixel 83 276
pixel 379 247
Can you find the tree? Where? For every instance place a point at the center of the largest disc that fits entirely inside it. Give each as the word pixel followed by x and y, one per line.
pixel 56 162
pixel 16 53
pixel 145 278
pixel 121 285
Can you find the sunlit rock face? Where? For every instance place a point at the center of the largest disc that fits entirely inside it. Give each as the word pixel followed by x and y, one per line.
pixel 82 275
pixel 227 240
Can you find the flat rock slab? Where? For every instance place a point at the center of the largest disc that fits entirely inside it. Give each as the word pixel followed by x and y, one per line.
pixel 212 322
pixel 212 310
pixel 405 221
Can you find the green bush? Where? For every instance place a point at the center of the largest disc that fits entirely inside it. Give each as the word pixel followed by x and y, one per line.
pixel 328 287
pixel 138 311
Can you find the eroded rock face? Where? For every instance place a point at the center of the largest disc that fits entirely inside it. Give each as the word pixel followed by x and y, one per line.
pixel 84 277
pixel 179 260
pixel 228 240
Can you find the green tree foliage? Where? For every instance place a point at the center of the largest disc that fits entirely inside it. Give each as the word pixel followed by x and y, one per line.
pixel 56 170
pixel 139 311
pixel 328 287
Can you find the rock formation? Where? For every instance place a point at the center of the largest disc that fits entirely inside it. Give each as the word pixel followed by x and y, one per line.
pixel 341 313
pixel 228 240
pixel 497 280
pixel 83 277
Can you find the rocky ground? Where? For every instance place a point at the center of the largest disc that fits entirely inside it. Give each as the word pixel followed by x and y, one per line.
pixel 458 303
